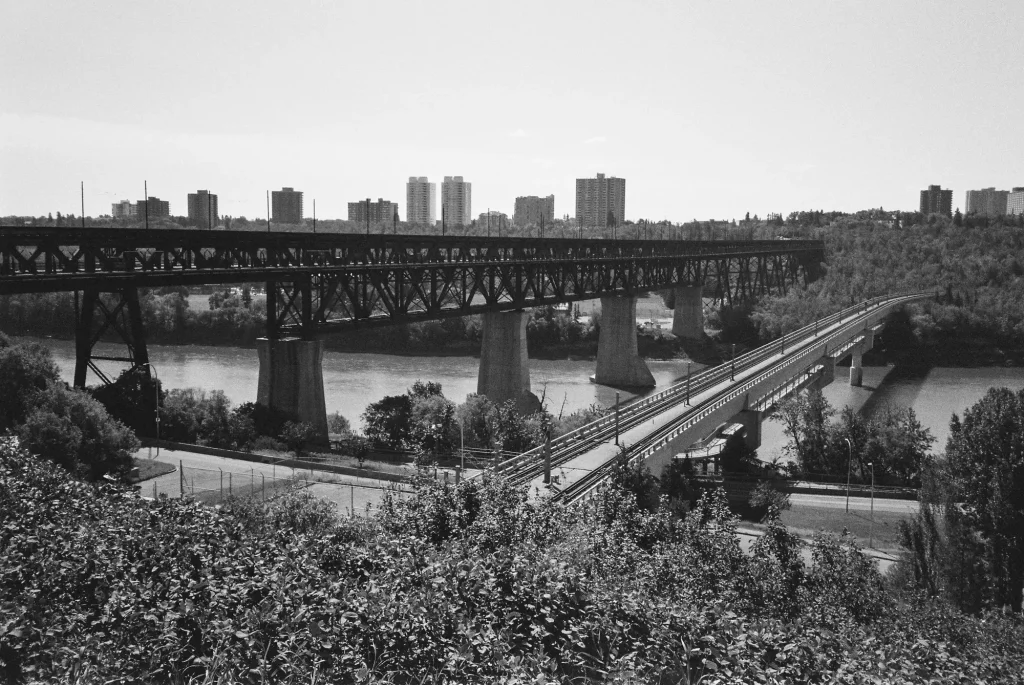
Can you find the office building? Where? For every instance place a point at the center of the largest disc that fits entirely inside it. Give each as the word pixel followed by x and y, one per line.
pixel 420 201
pixel 533 210
pixel 379 212
pixel 987 201
pixel 122 210
pixel 456 201
pixel 1015 201
pixel 286 206
pixel 600 201
pixel 153 208
pixel 935 200
pixel 202 209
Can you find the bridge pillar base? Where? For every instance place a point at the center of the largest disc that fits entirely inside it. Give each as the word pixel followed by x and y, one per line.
pixel 292 380
pixel 618 359
pixel 688 317
pixel 751 420
pixel 504 363
pixel 856 368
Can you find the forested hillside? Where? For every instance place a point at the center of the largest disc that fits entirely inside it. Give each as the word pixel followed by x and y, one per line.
pixel 976 268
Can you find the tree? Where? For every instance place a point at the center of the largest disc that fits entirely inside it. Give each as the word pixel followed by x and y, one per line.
pixel 71 428
pixel 389 421
pixel 985 454
pixel 336 423
pixel 805 419
pixel 25 370
pixel 898 443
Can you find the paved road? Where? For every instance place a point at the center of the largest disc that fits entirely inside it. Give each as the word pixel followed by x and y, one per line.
pixel 858 503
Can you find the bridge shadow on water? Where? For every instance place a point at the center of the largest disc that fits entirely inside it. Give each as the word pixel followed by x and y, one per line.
pixel 901 385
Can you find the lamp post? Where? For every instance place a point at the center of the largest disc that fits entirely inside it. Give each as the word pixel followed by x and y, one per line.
pixel 687 383
pixel 871 534
pixel 732 371
pixel 616 418
pixel 462 451
pixel 156 402
pixel 849 466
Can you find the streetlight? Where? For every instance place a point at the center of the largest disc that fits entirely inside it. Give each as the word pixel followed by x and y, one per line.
pixel 687 383
pixel 732 372
pixel 849 465
pixel 871 534
pixel 156 403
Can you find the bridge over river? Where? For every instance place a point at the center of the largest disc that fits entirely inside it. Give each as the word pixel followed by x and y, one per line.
pixel 321 284
pixel 745 391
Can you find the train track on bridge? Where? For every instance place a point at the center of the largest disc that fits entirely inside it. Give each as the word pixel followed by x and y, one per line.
pixel 528 466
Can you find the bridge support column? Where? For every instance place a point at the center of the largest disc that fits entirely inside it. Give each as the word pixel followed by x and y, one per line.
pixel 688 317
pixel 856 370
pixel 504 364
pixel 292 380
pixel 618 360
pixel 751 420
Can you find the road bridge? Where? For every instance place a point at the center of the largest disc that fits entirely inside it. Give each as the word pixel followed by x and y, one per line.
pixel 657 427
pixel 321 284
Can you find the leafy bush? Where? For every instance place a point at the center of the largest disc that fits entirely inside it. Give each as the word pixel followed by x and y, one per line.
pixel 467 583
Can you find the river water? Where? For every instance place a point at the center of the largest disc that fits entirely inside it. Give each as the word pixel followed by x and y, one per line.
pixel 352 381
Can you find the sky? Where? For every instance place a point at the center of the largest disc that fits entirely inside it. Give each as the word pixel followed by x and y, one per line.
pixel 708 109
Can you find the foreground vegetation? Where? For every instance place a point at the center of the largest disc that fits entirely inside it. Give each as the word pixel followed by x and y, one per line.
pixel 459 584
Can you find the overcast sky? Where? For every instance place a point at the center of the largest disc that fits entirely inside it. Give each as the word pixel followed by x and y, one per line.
pixel 707 109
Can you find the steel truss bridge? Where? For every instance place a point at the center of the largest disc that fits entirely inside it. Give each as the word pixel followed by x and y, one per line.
pixel 318 284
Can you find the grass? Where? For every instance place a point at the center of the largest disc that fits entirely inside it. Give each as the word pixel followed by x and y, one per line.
pixel 150 468
pixel 805 521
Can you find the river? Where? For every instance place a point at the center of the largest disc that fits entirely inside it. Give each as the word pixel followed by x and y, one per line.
pixel 352 381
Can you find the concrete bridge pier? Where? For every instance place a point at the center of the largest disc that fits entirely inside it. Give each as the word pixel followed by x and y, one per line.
pixel 618 359
pixel 856 368
pixel 751 420
pixel 292 380
pixel 504 364
pixel 688 316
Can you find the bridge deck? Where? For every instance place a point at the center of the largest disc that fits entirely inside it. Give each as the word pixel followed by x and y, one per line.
pixel 708 408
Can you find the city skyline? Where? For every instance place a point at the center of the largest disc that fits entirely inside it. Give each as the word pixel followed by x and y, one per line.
pixel 718 109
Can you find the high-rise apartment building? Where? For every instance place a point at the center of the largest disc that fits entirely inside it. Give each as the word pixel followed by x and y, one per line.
pixel 153 208
pixel 202 209
pixel 987 201
pixel 122 210
pixel 935 200
pixel 534 210
pixel 286 206
pixel 600 201
pixel 379 212
pixel 420 201
pixel 457 201
pixel 1015 201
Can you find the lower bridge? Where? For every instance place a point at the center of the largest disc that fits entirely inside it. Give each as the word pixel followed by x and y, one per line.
pixel 745 391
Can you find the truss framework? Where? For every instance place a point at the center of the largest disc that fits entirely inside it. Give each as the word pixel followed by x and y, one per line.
pixel 317 284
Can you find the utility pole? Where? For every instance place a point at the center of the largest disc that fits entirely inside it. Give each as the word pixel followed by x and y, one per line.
pixel 268 211
pixel 367 216
pixel 83 204
pixel 145 192
pixel 314 215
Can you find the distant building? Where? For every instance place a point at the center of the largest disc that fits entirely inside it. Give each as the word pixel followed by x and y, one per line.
pixel 1015 201
pixel 935 200
pixel 420 201
pixel 987 201
pixel 534 210
pixel 493 219
pixel 600 199
pixel 379 212
pixel 122 210
pixel 202 209
pixel 456 201
pixel 153 208
pixel 286 206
